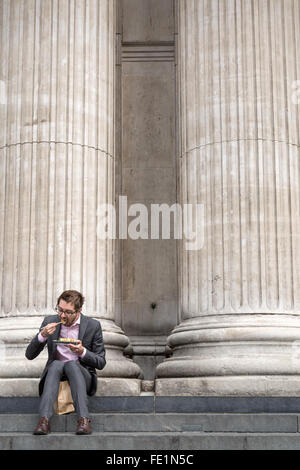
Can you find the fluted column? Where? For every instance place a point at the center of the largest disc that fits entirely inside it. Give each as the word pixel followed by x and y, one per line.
pixel 239 334
pixel 57 168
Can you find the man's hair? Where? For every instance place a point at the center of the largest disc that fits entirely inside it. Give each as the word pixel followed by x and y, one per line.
pixel 76 298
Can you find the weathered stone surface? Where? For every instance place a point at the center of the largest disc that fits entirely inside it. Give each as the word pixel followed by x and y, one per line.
pixel 148 20
pixel 141 422
pixel 149 441
pixel 223 132
pixel 230 386
pixel 118 387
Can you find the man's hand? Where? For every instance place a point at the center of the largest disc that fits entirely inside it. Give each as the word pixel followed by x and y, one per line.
pixel 77 348
pixel 49 329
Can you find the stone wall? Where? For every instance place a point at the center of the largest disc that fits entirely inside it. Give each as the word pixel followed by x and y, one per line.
pixel 157 102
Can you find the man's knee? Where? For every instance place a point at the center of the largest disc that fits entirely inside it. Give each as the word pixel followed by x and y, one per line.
pixel 72 371
pixel 71 367
pixel 55 366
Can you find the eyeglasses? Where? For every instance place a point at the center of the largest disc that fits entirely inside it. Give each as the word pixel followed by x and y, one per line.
pixel 67 312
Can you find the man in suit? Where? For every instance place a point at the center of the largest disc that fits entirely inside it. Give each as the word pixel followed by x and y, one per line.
pixel 73 362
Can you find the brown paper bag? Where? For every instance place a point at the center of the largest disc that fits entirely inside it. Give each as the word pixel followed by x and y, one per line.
pixel 64 403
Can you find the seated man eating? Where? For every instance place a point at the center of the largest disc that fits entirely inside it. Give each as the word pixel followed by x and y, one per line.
pixel 75 361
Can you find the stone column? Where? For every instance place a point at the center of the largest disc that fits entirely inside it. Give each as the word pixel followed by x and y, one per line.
pixel 238 63
pixel 57 168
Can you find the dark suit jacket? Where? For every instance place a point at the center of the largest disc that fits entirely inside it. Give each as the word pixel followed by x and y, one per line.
pixel 90 334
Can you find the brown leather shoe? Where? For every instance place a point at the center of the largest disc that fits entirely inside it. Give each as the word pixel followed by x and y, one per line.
pixel 84 426
pixel 43 427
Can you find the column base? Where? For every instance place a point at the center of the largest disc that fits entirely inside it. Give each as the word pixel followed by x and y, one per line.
pixel 240 386
pixel 20 377
pixel 233 355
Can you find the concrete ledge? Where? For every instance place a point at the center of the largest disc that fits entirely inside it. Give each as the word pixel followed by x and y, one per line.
pixel 150 441
pixel 224 386
pixel 118 387
pixel 28 387
pixel 19 404
pixel 141 404
pixel 227 404
pixel 141 422
pixel 160 431
pixel 153 404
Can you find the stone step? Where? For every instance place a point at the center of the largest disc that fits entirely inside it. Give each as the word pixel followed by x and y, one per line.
pixel 159 431
pixel 151 441
pixel 160 422
pixel 149 403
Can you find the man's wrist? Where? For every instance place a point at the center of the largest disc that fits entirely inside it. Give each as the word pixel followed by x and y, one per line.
pixel 41 338
pixel 82 354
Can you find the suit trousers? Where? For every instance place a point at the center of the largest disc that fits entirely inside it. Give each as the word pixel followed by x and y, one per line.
pixel 79 379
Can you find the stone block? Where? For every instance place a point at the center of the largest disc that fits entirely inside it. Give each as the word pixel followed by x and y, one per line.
pixel 273 442
pixel 148 110
pixel 246 423
pixel 234 386
pixel 142 404
pixel 220 441
pixel 227 404
pixel 118 387
pixel 148 20
pixel 10 422
pixel 149 185
pixel 142 421
pixel 19 387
